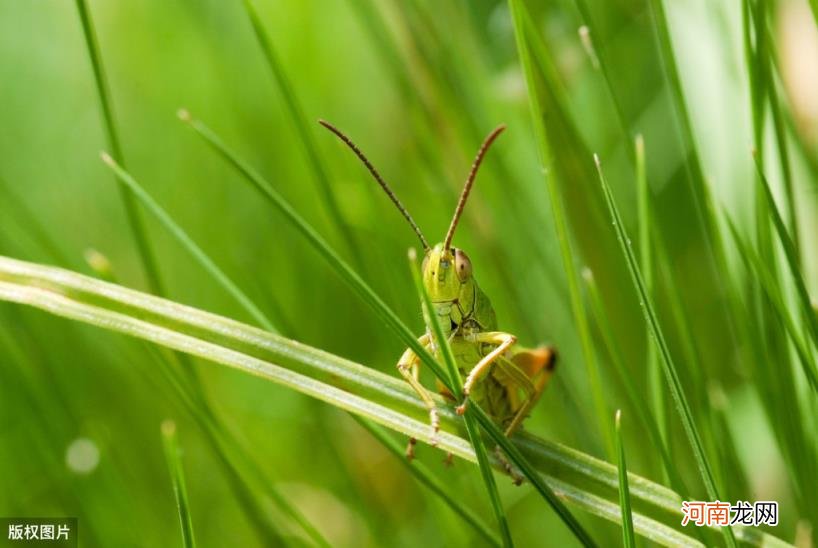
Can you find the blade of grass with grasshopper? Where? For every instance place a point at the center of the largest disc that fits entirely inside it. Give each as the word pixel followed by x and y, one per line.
pixel 580 479
pixel 505 379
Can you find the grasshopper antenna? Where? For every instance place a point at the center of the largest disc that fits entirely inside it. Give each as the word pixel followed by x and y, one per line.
pixel 378 178
pixel 461 203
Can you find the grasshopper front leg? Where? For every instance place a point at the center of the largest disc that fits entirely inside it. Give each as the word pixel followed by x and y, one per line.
pixel 504 341
pixel 409 368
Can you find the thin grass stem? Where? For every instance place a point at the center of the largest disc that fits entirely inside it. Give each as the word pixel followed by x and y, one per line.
pixel 173 458
pixel 103 95
pixel 628 539
pixel 671 374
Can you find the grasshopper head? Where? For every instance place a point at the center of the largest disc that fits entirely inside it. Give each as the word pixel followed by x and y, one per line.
pixel 447 276
pixel 446 270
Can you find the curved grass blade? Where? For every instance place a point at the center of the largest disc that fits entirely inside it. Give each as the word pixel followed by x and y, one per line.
pixel 636 399
pixel 681 115
pixel 58 303
pixel 624 493
pixel 790 253
pixel 675 385
pixel 521 17
pixel 772 289
pixel 103 94
pixel 315 160
pixel 187 242
pixel 386 314
pixel 177 476
pixel 442 343
pixel 581 479
pixel 776 109
pixel 646 261
pixel 316 240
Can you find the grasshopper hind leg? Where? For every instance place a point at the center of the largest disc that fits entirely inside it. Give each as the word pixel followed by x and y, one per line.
pixel 538 366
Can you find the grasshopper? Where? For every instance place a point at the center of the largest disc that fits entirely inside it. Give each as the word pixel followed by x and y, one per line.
pixel 503 378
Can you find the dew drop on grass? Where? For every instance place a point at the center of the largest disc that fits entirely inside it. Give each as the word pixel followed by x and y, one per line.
pixel 82 456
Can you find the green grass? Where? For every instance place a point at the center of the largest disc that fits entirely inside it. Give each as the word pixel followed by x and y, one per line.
pixel 174 458
pixel 258 216
pixel 580 478
pixel 624 493
pixel 112 136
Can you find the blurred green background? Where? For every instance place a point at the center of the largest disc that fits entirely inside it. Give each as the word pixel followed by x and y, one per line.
pixel 416 85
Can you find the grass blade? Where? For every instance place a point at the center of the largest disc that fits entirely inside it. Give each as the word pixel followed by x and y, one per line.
pixel 652 321
pixel 683 128
pixel 681 116
pixel 771 288
pixel 315 160
pixel 316 240
pixel 636 399
pixel 177 476
pixel 624 493
pixel 790 253
pixel 646 264
pixel 187 242
pixel 103 94
pixel 442 343
pixel 520 17
pixel 783 152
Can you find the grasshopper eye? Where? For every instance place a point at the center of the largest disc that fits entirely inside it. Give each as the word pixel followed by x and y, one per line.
pixel 462 264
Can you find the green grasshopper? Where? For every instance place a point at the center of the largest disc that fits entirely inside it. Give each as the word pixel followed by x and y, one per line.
pixel 503 378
